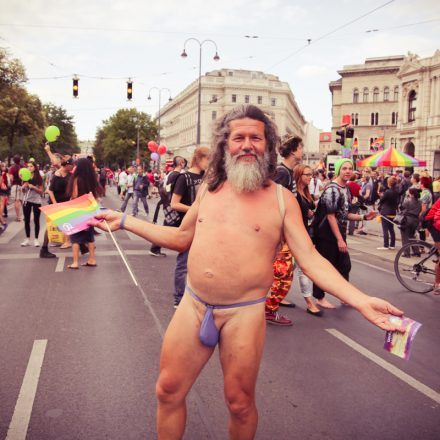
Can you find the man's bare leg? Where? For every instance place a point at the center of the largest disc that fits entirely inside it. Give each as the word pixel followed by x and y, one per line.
pixel 241 346
pixel 182 358
pixel 17 206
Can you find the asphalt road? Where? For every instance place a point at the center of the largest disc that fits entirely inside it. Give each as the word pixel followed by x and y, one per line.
pixel 100 361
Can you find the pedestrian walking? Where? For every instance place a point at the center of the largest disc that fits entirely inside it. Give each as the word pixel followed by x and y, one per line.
pixel 4 193
pixel 16 196
pixel 388 203
pixel 129 193
pixel 32 200
pixel 141 184
pixel 409 214
pixel 122 183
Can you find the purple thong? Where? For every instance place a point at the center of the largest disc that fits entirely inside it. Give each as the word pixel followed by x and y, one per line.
pixel 209 333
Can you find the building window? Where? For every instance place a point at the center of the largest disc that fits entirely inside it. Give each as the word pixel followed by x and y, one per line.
pixel 412 98
pixel 355 95
pixel 396 93
pixel 365 97
pixel 372 119
pixel 393 142
pixel 356 119
pixel 230 73
pixel 260 100
pixel 386 94
pixel 397 117
pixel 273 102
pixel 234 98
pixel 371 143
pixel 393 118
pixel 246 99
pixel 352 118
pixel 375 94
pixel 376 119
pixel 214 98
pixel 214 115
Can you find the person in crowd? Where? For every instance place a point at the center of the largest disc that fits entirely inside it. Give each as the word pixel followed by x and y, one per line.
pixel 410 212
pixel 303 175
pixel 184 195
pixel 83 181
pixel 166 192
pixel 291 150
pixel 329 227
pixel 4 193
pixel 58 194
pixel 232 232
pixel 141 184
pixel 129 188
pixel 355 190
pixel 32 200
pixel 122 183
pixel 432 219
pixel 16 189
pixel 366 195
pixel 415 181
pixel 102 178
pixel 317 184
pixel 404 185
pixel 425 196
pixel 389 201
pixel 436 188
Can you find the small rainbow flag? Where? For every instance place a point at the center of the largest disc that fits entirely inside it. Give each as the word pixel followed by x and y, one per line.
pixel 355 147
pixel 380 143
pixel 72 216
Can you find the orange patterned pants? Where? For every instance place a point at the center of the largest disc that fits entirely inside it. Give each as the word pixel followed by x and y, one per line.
pixel 282 279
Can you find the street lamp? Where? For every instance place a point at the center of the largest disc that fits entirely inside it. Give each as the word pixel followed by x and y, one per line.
pixel 158 116
pixel 216 58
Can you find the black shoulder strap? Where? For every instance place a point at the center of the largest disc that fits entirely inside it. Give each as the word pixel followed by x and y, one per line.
pixel 283 170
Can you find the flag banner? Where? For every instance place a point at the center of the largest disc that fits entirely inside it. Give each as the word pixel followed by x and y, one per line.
pixel 355 147
pixel 72 216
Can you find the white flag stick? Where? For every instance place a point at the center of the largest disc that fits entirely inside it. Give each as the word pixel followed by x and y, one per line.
pixel 122 255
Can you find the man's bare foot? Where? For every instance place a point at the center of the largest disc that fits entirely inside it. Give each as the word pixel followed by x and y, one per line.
pixel 324 303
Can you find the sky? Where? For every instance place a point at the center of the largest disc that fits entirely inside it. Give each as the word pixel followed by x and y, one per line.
pixel 106 42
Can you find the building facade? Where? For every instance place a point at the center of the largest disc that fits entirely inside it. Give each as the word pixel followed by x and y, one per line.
pixel 221 91
pixel 397 97
pixel 325 143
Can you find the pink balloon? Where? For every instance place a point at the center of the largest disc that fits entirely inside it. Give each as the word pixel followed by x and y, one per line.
pixel 162 150
pixel 154 157
pixel 152 146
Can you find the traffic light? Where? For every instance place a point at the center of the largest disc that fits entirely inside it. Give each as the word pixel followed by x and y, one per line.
pixel 129 89
pixel 341 139
pixel 75 87
pixel 349 135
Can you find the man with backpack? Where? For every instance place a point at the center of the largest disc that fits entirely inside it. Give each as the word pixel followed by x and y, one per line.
pixel 141 184
pixel 184 195
pixel 329 227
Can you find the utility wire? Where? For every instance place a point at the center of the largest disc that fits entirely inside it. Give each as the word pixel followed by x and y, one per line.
pixel 312 41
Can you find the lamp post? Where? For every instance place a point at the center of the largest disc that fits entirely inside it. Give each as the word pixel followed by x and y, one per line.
pixel 216 58
pixel 160 96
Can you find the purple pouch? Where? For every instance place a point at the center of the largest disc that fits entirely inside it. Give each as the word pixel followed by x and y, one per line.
pixel 398 343
pixel 209 333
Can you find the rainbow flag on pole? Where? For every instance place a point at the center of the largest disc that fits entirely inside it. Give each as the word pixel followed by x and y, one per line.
pixel 72 216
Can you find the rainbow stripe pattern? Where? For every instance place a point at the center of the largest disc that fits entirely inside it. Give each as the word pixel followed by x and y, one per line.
pixel 390 158
pixel 72 216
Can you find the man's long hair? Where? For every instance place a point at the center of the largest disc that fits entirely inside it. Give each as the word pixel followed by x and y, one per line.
pixel 216 173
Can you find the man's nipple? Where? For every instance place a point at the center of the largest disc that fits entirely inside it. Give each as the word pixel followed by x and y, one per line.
pixel 257 228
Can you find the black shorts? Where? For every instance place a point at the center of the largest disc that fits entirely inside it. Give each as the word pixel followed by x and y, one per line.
pixel 83 237
pixel 435 233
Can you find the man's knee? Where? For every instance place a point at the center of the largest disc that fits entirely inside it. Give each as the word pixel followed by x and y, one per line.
pixel 169 390
pixel 241 404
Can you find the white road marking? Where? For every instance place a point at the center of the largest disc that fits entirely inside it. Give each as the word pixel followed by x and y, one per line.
pixel 373 266
pixel 60 264
pixel 23 408
pixel 420 387
pixel 11 231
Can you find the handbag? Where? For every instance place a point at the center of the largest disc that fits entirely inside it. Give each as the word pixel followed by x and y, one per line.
pixel 400 219
pixel 172 217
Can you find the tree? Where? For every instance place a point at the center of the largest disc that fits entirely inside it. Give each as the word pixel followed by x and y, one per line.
pixel 12 71
pixel 67 142
pixel 115 141
pixel 21 122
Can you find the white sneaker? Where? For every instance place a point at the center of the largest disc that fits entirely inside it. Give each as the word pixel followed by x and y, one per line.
pixel 382 248
pixel 36 242
pixel 25 242
pixel 392 248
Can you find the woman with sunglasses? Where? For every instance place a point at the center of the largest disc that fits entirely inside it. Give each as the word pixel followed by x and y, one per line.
pixel 303 175
pixel 32 200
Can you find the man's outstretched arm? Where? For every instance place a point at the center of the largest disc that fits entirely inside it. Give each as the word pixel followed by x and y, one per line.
pixel 178 239
pixel 321 271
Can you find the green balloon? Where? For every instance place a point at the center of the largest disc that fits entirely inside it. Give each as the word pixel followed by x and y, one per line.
pixel 52 133
pixel 24 174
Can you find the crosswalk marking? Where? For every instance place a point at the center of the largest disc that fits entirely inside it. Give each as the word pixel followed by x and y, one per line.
pixel 23 408
pixel 11 231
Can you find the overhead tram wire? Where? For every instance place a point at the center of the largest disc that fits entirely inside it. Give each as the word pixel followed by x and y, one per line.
pixel 312 41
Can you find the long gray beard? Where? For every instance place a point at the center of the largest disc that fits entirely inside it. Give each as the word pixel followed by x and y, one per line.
pixel 246 177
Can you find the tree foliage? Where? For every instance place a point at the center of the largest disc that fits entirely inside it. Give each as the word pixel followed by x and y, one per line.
pixel 115 142
pixel 67 142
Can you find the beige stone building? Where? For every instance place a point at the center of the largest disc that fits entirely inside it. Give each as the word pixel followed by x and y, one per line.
pixel 397 97
pixel 223 90
pixel 325 143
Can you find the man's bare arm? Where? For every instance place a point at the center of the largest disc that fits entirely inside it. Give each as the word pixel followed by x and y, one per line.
pixel 169 237
pixel 321 272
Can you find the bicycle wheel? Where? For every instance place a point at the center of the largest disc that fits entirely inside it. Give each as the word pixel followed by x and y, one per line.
pixel 417 271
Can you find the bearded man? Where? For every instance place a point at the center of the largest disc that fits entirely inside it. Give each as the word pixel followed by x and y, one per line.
pixel 233 232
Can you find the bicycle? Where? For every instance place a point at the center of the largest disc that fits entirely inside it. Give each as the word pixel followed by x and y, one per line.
pixel 419 275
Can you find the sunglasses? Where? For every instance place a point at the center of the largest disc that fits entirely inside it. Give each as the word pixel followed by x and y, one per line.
pixel 307 174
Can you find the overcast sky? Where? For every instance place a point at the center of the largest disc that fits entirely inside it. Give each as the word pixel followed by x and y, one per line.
pixel 143 39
